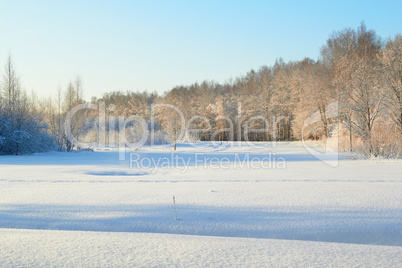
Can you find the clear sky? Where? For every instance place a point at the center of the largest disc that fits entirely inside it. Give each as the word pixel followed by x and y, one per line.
pixel 156 45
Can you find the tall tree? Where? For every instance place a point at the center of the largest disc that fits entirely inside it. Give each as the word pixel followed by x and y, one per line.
pixel 391 74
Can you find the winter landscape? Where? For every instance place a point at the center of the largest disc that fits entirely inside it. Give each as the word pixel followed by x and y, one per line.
pixel 200 133
pixel 90 209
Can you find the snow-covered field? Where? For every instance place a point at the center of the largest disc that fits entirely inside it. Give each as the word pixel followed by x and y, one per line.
pixel 244 206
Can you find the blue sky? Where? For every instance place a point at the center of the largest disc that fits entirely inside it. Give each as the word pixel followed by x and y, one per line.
pixel 156 45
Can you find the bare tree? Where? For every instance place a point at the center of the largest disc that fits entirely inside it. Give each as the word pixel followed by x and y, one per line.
pixel 11 85
pixel 21 127
pixel 317 92
pixel 391 74
pixel 69 103
pixel 364 98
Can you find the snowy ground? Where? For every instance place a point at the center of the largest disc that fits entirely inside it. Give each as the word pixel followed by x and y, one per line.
pixel 32 248
pixel 89 208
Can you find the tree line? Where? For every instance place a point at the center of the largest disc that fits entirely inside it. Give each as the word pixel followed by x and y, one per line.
pixel 356 70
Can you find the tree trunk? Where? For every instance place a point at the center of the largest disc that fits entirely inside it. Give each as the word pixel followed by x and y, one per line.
pixel 350 139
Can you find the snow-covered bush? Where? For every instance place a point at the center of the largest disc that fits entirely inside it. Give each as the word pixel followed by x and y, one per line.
pixel 23 133
pixel 387 142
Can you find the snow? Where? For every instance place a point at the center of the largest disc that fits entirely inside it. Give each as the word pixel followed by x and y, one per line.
pixel 243 206
pixel 31 248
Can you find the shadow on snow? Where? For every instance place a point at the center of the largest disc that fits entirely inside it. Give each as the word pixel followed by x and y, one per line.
pixel 362 227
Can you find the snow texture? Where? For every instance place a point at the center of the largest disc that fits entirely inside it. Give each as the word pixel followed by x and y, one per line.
pixel 90 209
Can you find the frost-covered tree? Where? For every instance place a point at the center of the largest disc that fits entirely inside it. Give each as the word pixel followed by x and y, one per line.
pixel 391 74
pixel 363 96
pixel 22 129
